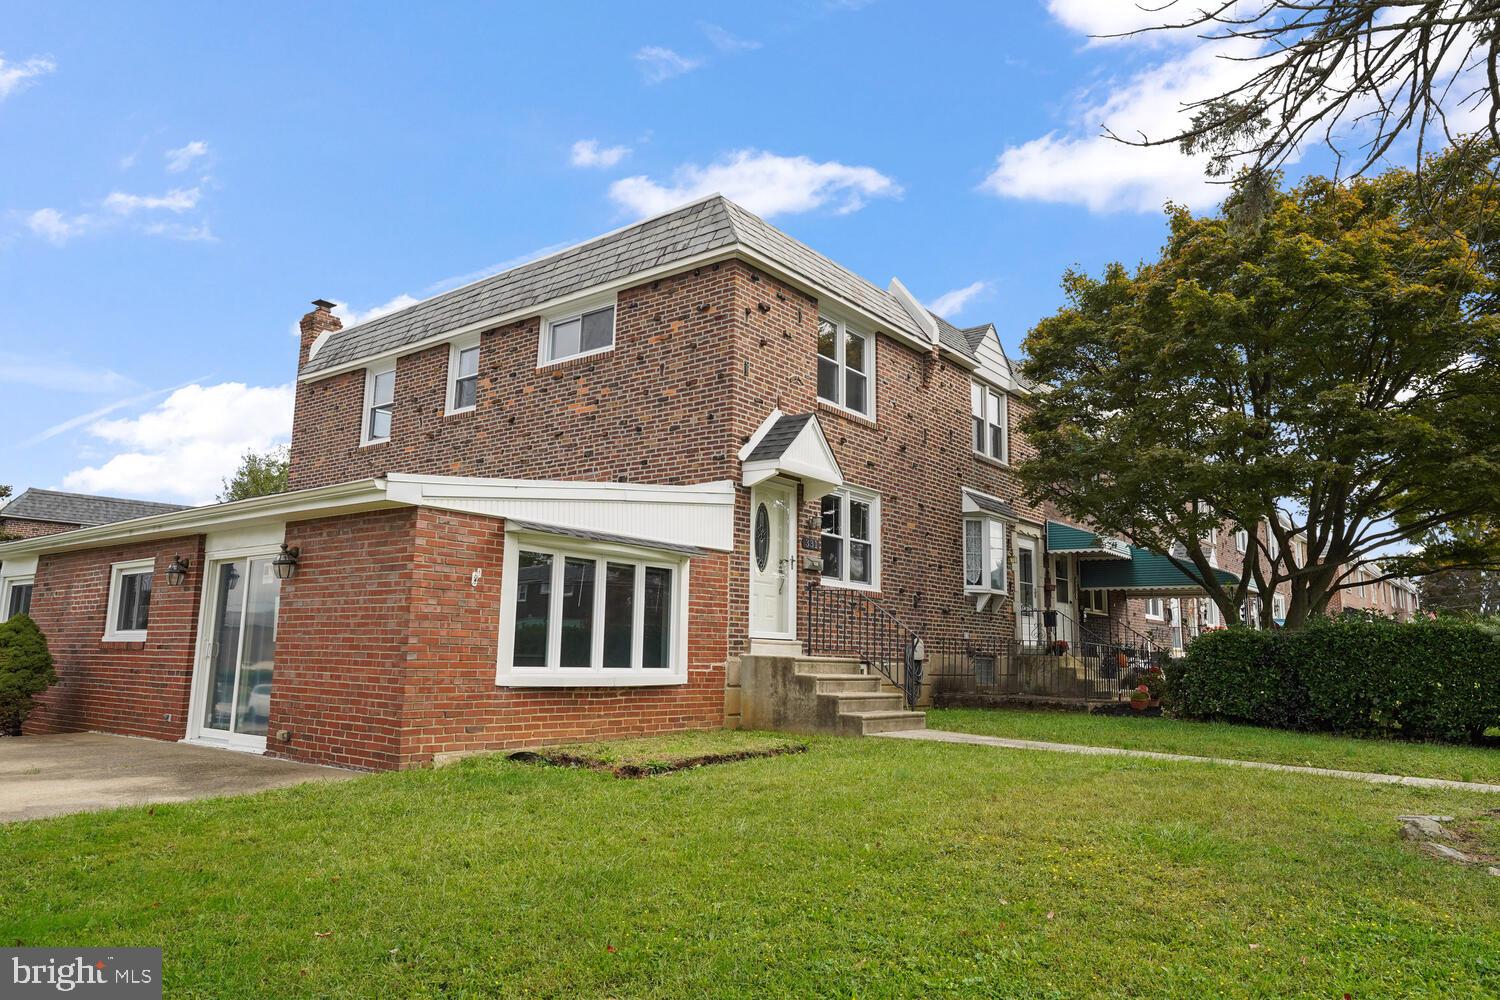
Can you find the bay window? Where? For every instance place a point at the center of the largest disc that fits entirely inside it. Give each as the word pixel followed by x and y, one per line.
pixel 984 555
pixel 851 538
pixel 988 408
pixel 579 614
pixel 846 367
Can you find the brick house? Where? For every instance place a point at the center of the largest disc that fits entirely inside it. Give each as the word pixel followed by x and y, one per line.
pixel 46 512
pixel 579 499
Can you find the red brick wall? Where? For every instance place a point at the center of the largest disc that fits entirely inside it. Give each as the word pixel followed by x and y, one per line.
pixel 17 527
pixel 341 640
pixel 386 654
pixel 650 411
pixel 136 688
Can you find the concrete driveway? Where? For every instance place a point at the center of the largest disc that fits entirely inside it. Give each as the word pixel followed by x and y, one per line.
pixel 81 772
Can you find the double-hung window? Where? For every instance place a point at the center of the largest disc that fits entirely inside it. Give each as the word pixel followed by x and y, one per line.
pixel 851 538
pixel 988 407
pixel 17 597
pixel 380 403
pixel 1278 607
pixel 573 614
pixel 129 607
pixel 984 555
pixel 1241 540
pixel 1061 580
pixel 463 376
pixel 578 332
pixel 846 367
pixel 1156 608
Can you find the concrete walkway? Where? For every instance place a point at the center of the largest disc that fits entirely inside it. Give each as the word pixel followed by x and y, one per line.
pixel 942 736
pixel 80 772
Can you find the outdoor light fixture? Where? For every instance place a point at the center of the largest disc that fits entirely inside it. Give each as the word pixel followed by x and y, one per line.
pixel 177 571
pixel 285 564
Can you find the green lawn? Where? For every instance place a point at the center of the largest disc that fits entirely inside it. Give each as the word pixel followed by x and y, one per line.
pixel 1216 739
pixel 868 868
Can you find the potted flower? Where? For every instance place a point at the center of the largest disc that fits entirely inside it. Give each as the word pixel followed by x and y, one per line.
pixel 1059 647
pixel 1140 698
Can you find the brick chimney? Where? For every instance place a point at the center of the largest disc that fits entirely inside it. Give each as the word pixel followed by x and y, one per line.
pixel 320 321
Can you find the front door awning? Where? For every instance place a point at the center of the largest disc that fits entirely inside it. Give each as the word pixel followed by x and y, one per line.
pixel 1144 574
pixel 792 446
pixel 1086 544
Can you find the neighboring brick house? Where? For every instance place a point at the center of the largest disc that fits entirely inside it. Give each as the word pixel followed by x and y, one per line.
pixel 1396 597
pixel 45 512
pixel 568 501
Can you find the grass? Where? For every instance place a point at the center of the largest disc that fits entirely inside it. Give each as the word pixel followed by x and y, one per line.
pixel 869 868
pixel 1214 739
pixel 669 752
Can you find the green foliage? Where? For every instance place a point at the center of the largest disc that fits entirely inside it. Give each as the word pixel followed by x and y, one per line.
pixel 1333 357
pixel 1428 680
pixel 25 671
pixel 259 475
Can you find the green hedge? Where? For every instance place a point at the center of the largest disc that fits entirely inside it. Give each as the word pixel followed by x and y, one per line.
pixel 1430 680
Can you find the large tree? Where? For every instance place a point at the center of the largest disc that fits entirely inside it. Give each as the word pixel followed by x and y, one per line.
pixel 1324 368
pixel 1362 77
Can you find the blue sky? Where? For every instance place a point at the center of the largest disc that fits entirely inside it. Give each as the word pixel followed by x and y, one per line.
pixel 176 185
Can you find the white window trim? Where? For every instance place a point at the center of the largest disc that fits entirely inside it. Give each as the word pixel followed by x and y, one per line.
pixel 1278 606
pixel 455 349
pixel 116 571
pixel 869 372
pixel 1087 607
pixel 985 389
pixel 509 675
pixel 10 583
pixel 1241 540
pixel 1006 541
pixel 845 494
pixel 1154 617
pixel 576 310
pixel 364 420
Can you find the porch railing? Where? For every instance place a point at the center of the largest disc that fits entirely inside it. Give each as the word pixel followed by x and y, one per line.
pixel 850 623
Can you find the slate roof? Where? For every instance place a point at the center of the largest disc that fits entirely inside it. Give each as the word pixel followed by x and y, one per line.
pixel 714 223
pixel 79 508
pixel 779 438
pixel 956 339
pixel 991 504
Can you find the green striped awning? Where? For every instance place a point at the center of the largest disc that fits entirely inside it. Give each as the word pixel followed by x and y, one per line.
pixel 1063 538
pixel 1143 574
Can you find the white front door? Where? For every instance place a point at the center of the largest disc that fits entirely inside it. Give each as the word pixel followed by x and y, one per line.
pixel 773 562
pixel 236 653
pixel 1028 615
pixel 1063 598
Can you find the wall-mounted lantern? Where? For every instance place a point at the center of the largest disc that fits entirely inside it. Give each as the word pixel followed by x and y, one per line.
pixel 177 571
pixel 285 564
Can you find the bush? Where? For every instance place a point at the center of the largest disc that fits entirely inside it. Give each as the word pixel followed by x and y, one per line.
pixel 25 671
pixel 1430 680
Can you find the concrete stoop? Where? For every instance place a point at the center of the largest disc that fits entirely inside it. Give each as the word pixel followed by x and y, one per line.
pixel 820 694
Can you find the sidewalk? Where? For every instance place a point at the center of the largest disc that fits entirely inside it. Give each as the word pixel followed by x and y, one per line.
pixel 942 736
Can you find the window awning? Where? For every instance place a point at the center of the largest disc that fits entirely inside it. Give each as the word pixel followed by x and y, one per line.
pixel 1143 574
pixel 1065 538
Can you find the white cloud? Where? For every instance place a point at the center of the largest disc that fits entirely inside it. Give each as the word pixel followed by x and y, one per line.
pixel 724 41
pixel 657 63
pixel 187 445
pixel 57 228
pixel 950 304
pixel 1082 167
pixel 763 182
pixel 1114 17
pixel 176 200
pixel 183 157
pixel 16 77
pixel 588 153
pixel 352 317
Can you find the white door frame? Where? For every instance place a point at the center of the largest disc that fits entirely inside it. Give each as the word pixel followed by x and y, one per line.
pixel 1032 541
pixel 787 491
pixel 195 732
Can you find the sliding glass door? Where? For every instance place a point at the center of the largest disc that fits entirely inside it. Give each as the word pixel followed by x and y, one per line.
pixel 239 651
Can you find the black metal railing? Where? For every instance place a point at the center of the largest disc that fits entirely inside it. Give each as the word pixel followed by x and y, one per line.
pixel 851 623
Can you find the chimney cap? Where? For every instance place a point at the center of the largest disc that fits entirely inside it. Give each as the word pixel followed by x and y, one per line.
pixel 323 303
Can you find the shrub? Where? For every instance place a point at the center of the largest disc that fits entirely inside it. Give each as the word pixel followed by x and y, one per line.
pixel 25 671
pixel 1434 680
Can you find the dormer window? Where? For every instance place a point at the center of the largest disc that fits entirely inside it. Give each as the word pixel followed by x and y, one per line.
pixel 579 332
pixel 846 367
pixel 380 403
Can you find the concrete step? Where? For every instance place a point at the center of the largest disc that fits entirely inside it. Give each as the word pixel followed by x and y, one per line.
pixel 834 683
pixel 847 702
pixel 827 665
pixel 865 723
